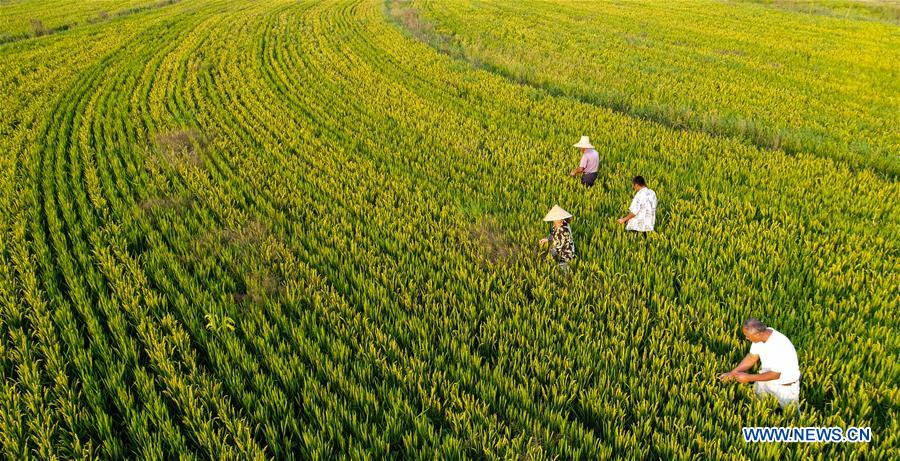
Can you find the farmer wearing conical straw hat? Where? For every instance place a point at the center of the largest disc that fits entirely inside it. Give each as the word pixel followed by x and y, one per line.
pixel 589 164
pixel 560 240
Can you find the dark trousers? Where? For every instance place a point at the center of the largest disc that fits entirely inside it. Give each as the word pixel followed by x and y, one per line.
pixel 588 179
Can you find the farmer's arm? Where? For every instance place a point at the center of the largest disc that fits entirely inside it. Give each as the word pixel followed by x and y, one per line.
pixel 581 166
pixel 626 218
pixel 633 210
pixel 750 378
pixel 746 364
pixel 548 238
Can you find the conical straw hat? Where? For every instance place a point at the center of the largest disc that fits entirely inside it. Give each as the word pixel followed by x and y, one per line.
pixel 556 213
pixel 585 143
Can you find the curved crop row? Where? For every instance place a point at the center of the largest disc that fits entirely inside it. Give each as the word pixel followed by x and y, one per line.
pixel 800 83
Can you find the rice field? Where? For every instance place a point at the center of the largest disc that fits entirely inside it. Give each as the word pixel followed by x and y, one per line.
pixel 308 230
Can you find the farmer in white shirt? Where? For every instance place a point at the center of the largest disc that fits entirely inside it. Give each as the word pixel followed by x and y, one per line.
pixel 589 164
pixel 642 212
pixel 779 372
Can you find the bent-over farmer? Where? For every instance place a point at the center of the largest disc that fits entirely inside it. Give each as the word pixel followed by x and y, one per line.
pixel 779 372
pixel 589 164
pixel 642 212
pixel 560 239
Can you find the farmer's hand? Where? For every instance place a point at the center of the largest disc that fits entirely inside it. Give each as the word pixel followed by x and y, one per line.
pixel 742 377
pixel 544 241
pixel 573 173
pixel 725 377
pixel 621 220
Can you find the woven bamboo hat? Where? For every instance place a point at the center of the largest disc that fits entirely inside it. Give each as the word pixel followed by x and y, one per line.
pixel 556 214
pixel 585 143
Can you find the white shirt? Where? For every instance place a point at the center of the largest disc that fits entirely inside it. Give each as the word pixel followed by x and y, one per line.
pixel 643 205
pixel 778 354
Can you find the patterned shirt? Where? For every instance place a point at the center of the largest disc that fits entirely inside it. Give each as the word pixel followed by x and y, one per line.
pixel 562 245
pixel 643 205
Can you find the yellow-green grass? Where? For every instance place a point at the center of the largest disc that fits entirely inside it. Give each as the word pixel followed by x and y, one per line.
pixel 873 10
pixel 21 19
pixel 818 84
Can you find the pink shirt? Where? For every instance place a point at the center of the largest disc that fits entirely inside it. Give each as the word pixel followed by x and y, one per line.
pixel 590 161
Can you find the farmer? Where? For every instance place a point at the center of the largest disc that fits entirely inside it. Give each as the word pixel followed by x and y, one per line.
pixel 562 245
pixel 590 162
pixel 642 212
pixel 779 373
